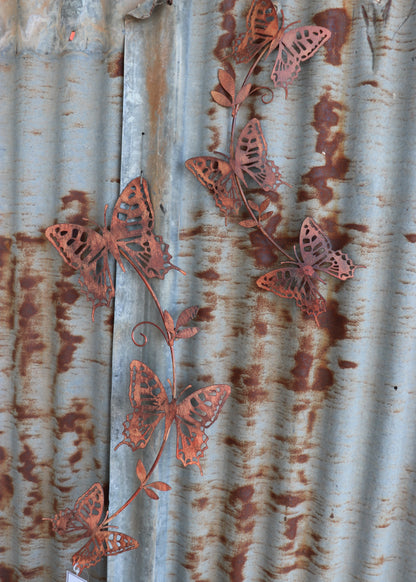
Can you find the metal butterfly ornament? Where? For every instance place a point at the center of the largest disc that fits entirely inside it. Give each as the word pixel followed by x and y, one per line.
pixel 84 521
pixel 298 279
pixel 193 411
pixel 250 157
pixel 130 236
pixel 293 46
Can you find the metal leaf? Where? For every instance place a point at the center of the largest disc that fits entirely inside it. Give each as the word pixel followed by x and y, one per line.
pixel 186 332
pixel 186 315
pixel 249 223
pixel 243 94
pixel 140 471
pixel 151 493
pixel 227 82
pixel 160 485
pixel 221 99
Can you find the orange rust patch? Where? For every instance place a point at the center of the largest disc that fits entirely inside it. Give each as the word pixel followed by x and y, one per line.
pixel 330 143
pixel 115 66
pixel 338 21
pixel 346 364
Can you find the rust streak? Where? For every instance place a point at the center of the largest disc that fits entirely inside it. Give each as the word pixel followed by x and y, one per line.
pixel 330 143
pixel 338 21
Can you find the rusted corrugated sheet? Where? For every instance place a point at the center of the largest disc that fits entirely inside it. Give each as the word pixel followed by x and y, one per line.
pixel 60 117
pixel 309 474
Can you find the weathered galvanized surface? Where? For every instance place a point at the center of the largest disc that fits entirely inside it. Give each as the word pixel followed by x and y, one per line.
pixel 60 118
pixel 309 474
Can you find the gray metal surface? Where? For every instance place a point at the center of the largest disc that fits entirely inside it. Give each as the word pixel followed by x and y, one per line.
pixel 309 474
pixel 310 469
pixel 60 120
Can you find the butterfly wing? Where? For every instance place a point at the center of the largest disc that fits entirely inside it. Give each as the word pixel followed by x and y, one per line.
pixel 251 157
pixel 85 516
pixel 103 543
pixel 85 250
pixel 132 226
pixel 195 412
pixel 149 401
pixel 218 177
pixel 292 283
pixel 296 45
pixel 262 28
pixel 316 251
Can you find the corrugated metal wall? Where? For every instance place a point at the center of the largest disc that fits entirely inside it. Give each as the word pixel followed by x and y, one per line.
pixel 310 470
pixel 60 117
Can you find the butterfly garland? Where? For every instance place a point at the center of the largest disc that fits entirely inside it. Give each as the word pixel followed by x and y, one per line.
pixel 219 176
pixel 83 521
pixel 193 411
pixel 298 279
pixel 293 46
pixel 130 235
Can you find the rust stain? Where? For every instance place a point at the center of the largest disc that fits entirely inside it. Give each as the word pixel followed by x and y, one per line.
pixel 215 141
pixel 237 564
pixel 27 464
pixel 338 21
pixel 205 314
pixel 311 420
pixel 115 66
pixel 69 344
pixel 329 142
pixel 261 249
pixel 372 83
pixel 201 503
pixel 324 379
pixel 78 421
pixel 6 491
pixel 343 364
pixel 288 499
pixel 411 237
pixel 248 387
pixel 224 43
pixel 66 294
pixel 8 574
pixel 334 323
pixel 359 227
pixel 208 275
pixel 291 526
pixel 79 198
pixel 243 511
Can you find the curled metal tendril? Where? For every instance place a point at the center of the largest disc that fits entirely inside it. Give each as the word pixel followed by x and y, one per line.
pixel 145 340
pixel 263 97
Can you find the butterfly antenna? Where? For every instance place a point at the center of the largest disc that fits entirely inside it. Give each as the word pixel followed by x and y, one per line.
pixel 296 255
pixel 105 215
pixel 178 269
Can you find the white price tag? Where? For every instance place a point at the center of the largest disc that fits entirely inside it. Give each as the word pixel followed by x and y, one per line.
pixel 71 577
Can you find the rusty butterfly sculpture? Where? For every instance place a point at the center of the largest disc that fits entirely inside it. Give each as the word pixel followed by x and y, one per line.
pixel 83 521
pixel 130 235
pixel 293 46
pixel 250 157
pixel 193 411
pixel 298 279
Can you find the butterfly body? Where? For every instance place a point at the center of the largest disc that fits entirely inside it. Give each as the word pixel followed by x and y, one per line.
pixel 250 158
pixel 293 46
pixel 130 236
pixel 298 278
pixel 193 411
pixel 85 520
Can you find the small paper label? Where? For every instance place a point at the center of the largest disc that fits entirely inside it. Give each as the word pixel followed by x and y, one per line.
pixel 71 577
